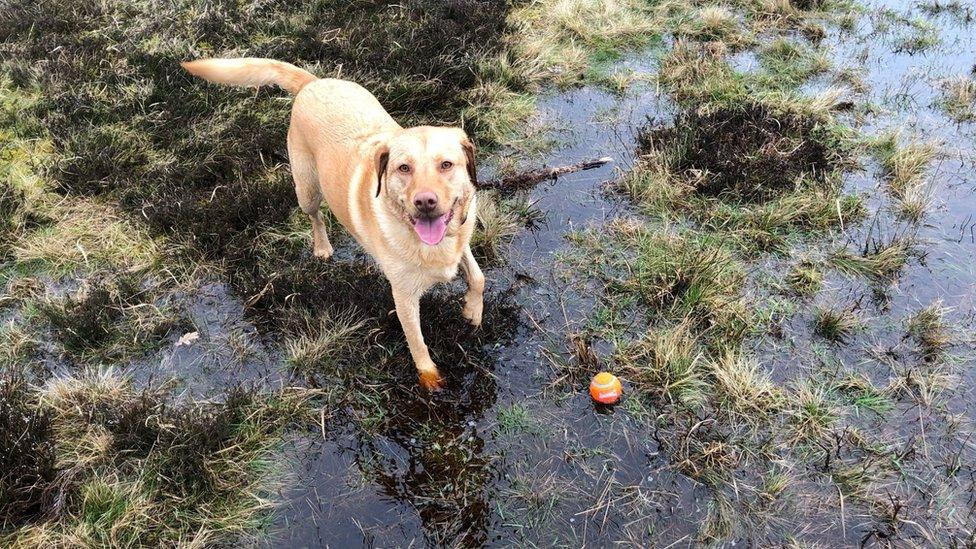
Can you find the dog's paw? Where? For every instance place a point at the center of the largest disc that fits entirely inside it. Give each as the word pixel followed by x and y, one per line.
pixel 323 252
pixel 473 309
pixel 431 380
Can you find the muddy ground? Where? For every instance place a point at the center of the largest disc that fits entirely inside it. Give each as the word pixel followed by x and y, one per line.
pixel 779 265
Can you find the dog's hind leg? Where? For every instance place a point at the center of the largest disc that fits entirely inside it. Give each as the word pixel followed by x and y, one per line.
pixel 309 195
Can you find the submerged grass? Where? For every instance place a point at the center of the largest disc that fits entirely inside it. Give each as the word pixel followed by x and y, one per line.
pixel 805 278
pixel 109 318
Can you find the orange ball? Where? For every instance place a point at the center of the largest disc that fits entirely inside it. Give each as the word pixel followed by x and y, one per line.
pixel 606 388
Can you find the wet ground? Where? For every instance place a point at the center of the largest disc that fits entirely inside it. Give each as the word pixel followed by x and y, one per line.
pixel 513 453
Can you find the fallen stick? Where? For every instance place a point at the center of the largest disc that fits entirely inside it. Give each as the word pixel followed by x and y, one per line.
pixel 525 180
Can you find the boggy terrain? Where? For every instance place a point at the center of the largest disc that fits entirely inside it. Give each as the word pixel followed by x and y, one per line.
pixel 779 268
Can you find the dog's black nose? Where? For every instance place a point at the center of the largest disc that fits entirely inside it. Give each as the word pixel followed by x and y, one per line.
pixel 425 202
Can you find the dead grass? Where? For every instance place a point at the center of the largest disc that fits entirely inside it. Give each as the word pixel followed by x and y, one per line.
pixel 90 236
pixel 714 23
pixel 745 391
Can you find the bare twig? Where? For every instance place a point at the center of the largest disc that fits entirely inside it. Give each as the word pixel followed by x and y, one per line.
pixel 528 179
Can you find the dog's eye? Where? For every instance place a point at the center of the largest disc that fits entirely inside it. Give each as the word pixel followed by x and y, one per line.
pixel 447 165
pixel 403 168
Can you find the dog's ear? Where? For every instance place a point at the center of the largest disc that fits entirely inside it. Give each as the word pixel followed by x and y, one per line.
pixel 382 161
pixel 468 147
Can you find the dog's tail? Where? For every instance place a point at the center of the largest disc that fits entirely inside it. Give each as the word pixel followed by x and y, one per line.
pixel 251 71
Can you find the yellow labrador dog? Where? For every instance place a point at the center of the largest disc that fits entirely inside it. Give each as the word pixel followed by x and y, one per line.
pixel 406 194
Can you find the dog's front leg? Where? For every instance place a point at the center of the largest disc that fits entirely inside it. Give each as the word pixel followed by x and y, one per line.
pixel 474 300
pixel 408 311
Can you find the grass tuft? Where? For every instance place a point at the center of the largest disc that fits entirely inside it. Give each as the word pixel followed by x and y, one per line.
pixel 959 98
pixel 325 343
pixel 928 328
pixel 882 261
pixel 497 223
pixel 745 390
pixel 682 275
pixel 667 361
pixel 904 166
pixel 812 412
pixel 835 325
pixel 805 278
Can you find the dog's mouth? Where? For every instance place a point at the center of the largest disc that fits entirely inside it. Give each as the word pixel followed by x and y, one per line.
pixel 431 229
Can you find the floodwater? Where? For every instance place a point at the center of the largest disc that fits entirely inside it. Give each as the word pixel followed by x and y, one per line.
pixel 455 471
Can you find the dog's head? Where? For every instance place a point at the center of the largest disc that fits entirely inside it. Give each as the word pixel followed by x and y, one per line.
pixel 427 176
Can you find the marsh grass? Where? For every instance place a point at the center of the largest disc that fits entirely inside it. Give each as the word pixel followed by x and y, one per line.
pixel 746 176
pixel 27 457
pixel 679 275
pixel 836 324
pixel 787 64
pixel 772 224
pixel 959 98
pixel 753 169
pixel 531 501
pixel 115 466
pixel 667 361
pixel 904 166
pixel 326 342
pixel 814 412
pixel 498 221
pixel 567 40
pixel 737 137
pixel 878 261
pixel 805 278
pixel 863 394
pixel 915 35
pixel 516 420
pixel 929 329
pixel 714 23
pixel 745 390
pixel 960 11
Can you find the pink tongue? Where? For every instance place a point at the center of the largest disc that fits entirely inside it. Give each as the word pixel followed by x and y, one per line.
pixel 431 231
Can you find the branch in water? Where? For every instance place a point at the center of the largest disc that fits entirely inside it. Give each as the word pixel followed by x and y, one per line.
pixel 531 178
